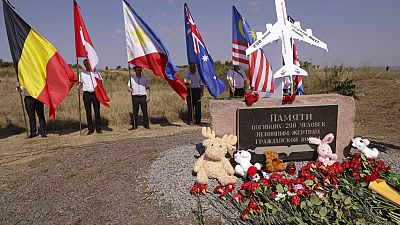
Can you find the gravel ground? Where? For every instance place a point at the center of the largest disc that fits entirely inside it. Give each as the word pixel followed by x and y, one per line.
pixel 179 162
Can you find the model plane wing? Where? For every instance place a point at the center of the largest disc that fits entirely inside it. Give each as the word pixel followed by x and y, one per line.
pixel 300 34
pixel 267 37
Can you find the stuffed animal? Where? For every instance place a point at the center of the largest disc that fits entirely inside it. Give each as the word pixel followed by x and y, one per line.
pixel 255 174
pixel 325 154
pixel 243 158
pixel 273 163
pixel 361 144
pixel 213 164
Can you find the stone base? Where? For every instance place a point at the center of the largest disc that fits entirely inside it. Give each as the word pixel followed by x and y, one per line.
pixel 223 115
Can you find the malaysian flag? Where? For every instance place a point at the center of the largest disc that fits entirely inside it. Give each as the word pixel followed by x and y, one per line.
pixel 260 73
pixel 239 40
pixel 198 53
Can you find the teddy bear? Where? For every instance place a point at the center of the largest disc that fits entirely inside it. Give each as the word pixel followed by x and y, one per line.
pixel 243 158
pixel 213 164
pixel 273 163
pixel 324 151
pixel 361 144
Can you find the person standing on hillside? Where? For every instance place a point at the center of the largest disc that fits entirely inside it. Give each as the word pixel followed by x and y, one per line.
pixel 33 105
pixel 139 87
pixel 237 81
pixel 86 82
pixel 195 87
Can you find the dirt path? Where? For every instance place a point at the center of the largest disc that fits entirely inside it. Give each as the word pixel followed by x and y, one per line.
pixel 97 183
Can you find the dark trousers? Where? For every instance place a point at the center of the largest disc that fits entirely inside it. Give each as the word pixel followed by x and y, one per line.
pixel 33 105
pixel 136 102
pixel 239 92
pixel 193 101
pixel 89 99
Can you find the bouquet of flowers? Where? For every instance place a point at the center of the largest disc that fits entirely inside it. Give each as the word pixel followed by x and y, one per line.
pixel 336 194
pixel 251 98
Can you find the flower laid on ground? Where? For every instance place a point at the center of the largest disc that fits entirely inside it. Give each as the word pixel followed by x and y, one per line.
pixel 288 98
pixel 251 98
pixel 335 194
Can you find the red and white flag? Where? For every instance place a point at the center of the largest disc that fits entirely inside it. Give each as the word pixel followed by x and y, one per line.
pixel 84 49
pixel 260 73
pixel 299 88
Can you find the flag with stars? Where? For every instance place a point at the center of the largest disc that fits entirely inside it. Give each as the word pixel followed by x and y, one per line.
pixel 145 49
pixel 196 49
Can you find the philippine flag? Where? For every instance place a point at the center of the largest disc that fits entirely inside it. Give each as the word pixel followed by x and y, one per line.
pixel 145 49
pixel 84 48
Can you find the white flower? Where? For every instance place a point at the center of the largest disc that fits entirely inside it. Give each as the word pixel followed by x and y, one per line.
pixel 290 194
pixel 298 187
pixel 279 196
pixel 319 194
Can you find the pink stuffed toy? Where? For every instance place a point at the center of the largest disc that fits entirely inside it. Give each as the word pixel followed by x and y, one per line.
pixel 325 154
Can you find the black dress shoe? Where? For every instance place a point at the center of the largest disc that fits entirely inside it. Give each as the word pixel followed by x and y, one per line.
pixel 90 132
pixel 43 135
pixel 33 135
pixel 99 131
pixel 132 128
pixel 147 127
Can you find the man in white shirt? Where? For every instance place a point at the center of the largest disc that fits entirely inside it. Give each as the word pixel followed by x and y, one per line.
pixel 140 89
pixel 33 105
pixel 195 87
pixel 237 81
pixel 87 83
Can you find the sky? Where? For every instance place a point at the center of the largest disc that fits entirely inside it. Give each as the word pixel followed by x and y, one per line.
pixel 358 32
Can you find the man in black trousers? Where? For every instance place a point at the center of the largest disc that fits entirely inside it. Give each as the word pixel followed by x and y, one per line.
pixel 33 105
pixel 87 83
pixel 139 87
pixel 195 87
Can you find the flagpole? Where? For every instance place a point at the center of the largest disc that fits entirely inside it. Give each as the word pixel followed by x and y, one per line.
pixel 23 112
pixel 79 97
pixel 191 102
pixel 130 85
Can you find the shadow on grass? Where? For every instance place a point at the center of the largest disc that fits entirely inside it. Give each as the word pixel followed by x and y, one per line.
pixel 64 127
pixel 10 130
pixel 162 121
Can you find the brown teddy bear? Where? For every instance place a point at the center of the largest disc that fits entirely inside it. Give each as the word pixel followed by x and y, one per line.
pixel 213 164
pixel 273 163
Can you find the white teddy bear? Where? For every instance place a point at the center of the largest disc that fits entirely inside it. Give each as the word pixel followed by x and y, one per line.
pixel 243 158
pixel 361 144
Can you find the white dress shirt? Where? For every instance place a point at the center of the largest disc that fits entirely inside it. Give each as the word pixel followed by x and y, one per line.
pixel 237 78
pixel 139 85
pixel 195 79
pixel 88 80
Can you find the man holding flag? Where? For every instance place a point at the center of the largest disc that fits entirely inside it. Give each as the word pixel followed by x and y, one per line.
pixel 41 71
pixel 243 36
pixel 145 49
pixel 90 80
pixel 197 53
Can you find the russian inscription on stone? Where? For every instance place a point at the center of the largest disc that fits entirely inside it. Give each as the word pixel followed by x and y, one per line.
pixel 285 130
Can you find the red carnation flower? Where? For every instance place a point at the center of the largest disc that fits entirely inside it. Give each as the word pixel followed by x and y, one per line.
pixel 295 200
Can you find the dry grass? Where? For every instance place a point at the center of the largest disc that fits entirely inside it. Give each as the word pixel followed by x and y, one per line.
pixel 165 105
pixel 377 110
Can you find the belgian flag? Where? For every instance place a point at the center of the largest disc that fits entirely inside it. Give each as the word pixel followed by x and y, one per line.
pixel 40 68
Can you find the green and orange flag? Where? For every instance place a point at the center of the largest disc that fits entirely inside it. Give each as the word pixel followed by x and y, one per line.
pixel 40 68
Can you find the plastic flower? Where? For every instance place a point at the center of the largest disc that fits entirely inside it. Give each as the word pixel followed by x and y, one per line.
pixel 298 187
pixel 319 194
pixel 280 196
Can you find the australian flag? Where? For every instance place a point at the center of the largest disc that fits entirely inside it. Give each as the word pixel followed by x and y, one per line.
pixel 197 54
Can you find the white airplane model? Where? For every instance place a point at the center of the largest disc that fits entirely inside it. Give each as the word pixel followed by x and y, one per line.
pixel 285 30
